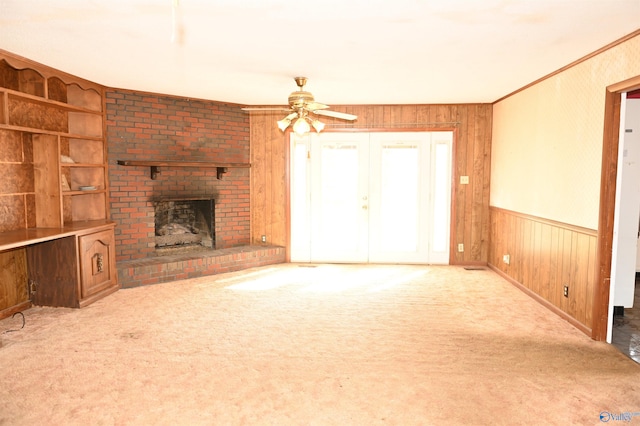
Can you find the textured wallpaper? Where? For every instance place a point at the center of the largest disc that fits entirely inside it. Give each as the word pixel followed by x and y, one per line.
pixel 547 140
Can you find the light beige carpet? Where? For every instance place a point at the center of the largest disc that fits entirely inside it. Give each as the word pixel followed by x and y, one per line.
pixel 325 345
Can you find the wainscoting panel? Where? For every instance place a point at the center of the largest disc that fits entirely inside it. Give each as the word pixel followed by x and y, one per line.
pixel 544 257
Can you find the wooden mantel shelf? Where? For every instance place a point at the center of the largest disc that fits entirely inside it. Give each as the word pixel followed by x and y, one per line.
pixel 221 168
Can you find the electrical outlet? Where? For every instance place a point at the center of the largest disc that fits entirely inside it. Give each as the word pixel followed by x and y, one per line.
pixel 264 238
pixel 565 291
pixel 460 247
pixel 464 180
pixel 506 259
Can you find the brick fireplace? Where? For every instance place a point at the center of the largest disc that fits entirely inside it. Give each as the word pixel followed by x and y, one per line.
pixel 143 126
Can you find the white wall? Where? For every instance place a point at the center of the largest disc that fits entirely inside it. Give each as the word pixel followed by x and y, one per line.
pixel 547 140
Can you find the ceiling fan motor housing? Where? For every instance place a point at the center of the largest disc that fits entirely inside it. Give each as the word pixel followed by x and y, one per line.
pixel 301 104
pixel 299 98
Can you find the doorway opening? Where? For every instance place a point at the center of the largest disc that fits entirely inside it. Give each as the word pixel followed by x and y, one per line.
pixel 608 195
pixel 623 329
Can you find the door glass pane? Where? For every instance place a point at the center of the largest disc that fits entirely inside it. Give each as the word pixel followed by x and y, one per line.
pixel 300 232
pixel 339 191
pixel 440 198
pixel 399 198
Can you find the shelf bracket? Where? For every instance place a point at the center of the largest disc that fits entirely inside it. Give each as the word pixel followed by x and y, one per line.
pixel 220 171
pixel 154 172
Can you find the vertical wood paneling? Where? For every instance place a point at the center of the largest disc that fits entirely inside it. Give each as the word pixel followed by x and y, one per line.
pixel 536 247
pixel 471 124
pixel 591 281
pixel 546 256
pixel 470 132
pixel 520 241
pixel 582 277
pixel 259 169
pixel 269 178
pixel 484 173
pixel 268 188
pixel 278 185
pixel 545 260
pixel 555 266
pixel 527 253
pixel 565 252
pixel 574 276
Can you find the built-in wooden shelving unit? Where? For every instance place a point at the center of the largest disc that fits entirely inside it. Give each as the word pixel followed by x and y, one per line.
pixel 57 244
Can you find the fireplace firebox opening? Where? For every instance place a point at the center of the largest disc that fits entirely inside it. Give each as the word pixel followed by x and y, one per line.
pixel 184 224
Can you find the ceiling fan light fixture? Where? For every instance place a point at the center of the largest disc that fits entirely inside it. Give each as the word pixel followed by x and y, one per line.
pixel 283 124
pixel 318 125
pixel 301 126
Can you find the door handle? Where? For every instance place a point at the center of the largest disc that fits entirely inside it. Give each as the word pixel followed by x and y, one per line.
pixel 365 207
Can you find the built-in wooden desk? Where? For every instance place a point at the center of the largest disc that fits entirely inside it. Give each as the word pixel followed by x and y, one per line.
pixel 71 266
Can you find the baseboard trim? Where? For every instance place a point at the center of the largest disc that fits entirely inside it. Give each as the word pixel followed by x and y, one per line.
pixel 6 313
pixel 562 314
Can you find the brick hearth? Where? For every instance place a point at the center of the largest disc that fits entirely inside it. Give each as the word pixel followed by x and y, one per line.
pixel 155 270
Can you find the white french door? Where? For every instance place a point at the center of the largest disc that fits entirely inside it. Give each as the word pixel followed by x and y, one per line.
pixel 371 197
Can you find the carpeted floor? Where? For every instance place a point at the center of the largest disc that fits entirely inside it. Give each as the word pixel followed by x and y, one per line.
pixel 299 345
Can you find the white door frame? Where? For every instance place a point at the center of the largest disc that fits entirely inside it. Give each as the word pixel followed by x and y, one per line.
pixel 443 139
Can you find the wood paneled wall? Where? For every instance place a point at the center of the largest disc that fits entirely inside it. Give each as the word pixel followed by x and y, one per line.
pixel 544 257
pixel 471 124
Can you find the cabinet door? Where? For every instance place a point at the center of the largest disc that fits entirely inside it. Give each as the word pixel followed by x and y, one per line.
pixel 53 271
pixel 13 279
pixel 97 262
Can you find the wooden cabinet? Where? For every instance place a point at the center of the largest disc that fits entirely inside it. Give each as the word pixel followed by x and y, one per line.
pixel 73 270
pixel 96 255
pixel 53 177
pixel 14 294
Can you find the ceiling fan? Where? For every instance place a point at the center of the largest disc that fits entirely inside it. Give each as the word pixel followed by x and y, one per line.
pixel 302 106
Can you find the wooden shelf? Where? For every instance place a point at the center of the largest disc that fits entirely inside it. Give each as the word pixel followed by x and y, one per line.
pixel 14 94
pixel 92 165
pixel 81 192
pixel 49 132
pixel 153 165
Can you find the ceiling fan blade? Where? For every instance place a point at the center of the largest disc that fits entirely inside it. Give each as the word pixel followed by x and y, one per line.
pixel 335 114
pixel 265 109
pixel 312 106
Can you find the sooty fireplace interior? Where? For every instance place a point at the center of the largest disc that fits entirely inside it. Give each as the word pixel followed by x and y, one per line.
pixel 184 223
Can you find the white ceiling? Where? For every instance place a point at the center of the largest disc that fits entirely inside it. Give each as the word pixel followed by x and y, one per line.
pixel 352 51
